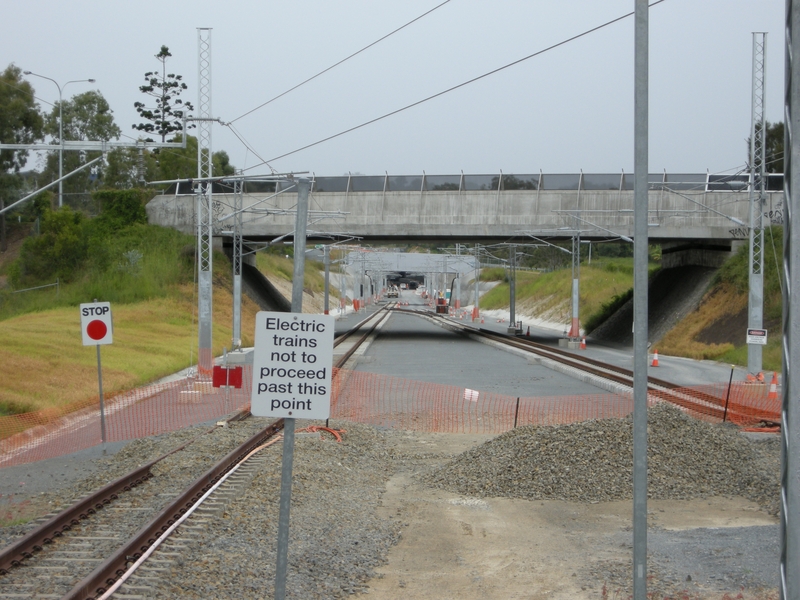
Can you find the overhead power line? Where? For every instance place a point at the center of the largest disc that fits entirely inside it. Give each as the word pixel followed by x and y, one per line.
pixel 341 61
pixel 455 87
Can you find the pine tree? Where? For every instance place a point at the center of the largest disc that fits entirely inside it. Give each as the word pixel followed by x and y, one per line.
pixel 167 115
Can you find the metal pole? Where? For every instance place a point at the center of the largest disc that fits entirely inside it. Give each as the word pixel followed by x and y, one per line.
pixel 301 223
pixel 575 327
pixel 640 293
pixel 285 503
pixel 60 128
pixel 728 396
pixel 512 280
pixel 458 279
pixel 790 409
pixel 60 147
pixel 102 406
pixel 327 260
pixel 49 185
pixel 238 200
pixel 343 287
pixel 303 188
pixel 475 309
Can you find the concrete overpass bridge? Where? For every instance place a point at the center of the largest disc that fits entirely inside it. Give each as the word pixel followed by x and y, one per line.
pixel 698 218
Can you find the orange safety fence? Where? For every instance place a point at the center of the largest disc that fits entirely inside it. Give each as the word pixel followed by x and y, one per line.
pixel 141 412
pixel 379 400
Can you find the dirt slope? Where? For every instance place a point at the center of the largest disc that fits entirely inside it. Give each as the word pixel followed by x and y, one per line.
pixel 673 294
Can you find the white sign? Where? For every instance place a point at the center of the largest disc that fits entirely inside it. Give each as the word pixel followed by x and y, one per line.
pixel 757 336
pixel 292 365
pixel 96 323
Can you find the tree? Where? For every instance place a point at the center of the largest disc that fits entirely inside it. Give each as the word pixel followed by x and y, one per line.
pixel 773 148
pixel 122 169
pixel 58 252
pixel 87 117
pixel 20 123
pixel 20 119
pixel 511 182
pixel 166 117
pixel 181 163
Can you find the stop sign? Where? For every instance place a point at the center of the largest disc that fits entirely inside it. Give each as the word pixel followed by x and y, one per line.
pixel 96 323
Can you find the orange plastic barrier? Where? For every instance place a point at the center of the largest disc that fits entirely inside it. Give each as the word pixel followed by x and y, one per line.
pixel 356 396
pixel 145 411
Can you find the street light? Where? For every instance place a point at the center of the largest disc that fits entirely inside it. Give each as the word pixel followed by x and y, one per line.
pixel 60 127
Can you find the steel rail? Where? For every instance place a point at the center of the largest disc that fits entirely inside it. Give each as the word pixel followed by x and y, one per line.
pixel 693 400
pixel 347 355
pixel 35 540
pixel 98 581
pixel 346 334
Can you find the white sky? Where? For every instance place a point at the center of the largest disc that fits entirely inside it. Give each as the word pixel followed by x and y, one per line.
pixel 568 109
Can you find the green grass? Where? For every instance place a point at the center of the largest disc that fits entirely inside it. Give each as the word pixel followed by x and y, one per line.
pixel 603 285
pixel 280 266
pixel 147 273
pixel 140 263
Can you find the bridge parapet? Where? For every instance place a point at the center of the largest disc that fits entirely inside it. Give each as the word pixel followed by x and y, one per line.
pixel 481 215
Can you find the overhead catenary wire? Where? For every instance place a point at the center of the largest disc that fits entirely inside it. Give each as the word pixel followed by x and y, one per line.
pixel 391 33
pixel 458 86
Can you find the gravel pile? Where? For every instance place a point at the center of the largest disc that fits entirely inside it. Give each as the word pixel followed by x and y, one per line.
pixel 592 461
pixel 336 536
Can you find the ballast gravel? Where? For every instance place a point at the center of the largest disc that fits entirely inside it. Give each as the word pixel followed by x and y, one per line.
pixel 592 461
pixel 338 538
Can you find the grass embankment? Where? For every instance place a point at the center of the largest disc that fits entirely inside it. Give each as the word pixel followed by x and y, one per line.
pixel 716 331
pixel 149 281
pixel 150 286
pixel 549 295
pixel 282 267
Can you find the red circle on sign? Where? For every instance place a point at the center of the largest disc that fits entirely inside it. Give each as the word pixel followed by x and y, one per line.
pixel 96 330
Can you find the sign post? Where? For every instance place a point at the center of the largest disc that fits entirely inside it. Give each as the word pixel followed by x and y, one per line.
pixel 292 364
pixel 298 335
pixel 97 329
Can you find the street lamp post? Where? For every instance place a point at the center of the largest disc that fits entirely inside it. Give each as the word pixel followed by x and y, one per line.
pixel 60 127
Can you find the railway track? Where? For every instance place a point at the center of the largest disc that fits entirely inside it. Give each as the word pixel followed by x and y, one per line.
pixel 80 551
pixel 109 543
pixel 692 400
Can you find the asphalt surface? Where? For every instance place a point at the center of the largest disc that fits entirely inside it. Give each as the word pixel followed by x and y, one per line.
pixel 512 374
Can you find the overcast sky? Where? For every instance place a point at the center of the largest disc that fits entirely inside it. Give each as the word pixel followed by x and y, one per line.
pixel 568 109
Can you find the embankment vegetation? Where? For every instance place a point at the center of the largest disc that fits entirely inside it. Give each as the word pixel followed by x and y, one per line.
pixel 145 271
pixel 717 330
pixel 605 284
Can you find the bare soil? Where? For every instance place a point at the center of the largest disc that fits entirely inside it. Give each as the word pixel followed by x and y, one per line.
pixel 456 547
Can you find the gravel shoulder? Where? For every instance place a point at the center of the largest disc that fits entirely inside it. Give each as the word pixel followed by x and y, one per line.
pixel 463 547
pixel 375 517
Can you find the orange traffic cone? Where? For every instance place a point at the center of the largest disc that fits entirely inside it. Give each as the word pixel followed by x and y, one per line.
pixel 481 320
pixel 529 331
pixel 773 388
pixel 583 343
pixel 655 359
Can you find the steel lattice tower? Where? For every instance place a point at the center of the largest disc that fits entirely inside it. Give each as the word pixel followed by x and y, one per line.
pixel 204 201
pixel 757 197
